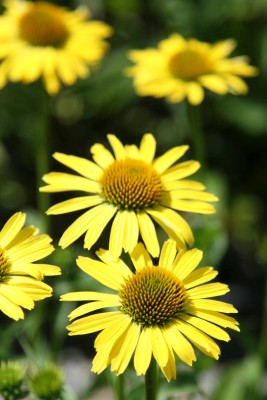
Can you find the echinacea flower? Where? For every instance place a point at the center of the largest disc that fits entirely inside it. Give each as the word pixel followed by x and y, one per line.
pixel 180 68
pixel 132 187
pixel 157 311
pixel 20 276
pixel 43 40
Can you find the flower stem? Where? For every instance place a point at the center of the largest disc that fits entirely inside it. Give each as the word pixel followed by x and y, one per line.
pixel 263 334
pixel 196 132
pixel 119 387
pixel 151 381
pixel 42 154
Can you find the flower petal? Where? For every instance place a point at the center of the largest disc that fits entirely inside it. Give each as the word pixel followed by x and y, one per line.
pixel 143 352
pixel 11 228
pixel 180 345
pixel 126 349
pixel 187 263
pixel 163 162
pixel 148 148
pixel 168 253
pixel 140 257
pixel 117 147
pixel 106 274
pixel 75 204
pixel 148 233
pixel 84 167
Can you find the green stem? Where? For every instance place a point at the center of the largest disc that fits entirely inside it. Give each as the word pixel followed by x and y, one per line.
pixel 151 381
pixel 119 387
pixel 196 132
pixel 263 334
pixel 42 150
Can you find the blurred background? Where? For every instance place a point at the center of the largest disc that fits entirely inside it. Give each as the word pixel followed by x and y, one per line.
pixel 234 239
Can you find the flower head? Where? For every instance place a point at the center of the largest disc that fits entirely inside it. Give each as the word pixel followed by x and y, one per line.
pixel 43 40
pixel 181 68
pixel 135 189
pixel 12 375
pixel 47 383
pixel 20 276
pixel 157 311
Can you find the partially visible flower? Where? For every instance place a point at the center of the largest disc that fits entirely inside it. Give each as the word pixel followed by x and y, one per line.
pixel 47 383
pixel 180 68
pixel 132 187
pixel 20 276
pixel 157 311
pixel 43 40
pixel 12 380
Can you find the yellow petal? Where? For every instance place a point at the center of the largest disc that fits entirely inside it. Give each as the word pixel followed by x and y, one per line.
pixel 143 353
pixel 93 323
pixel 180 345
pixel 62 182
pixel 167 255
pixel 93 306
pixel 209 290
pixel 202 341
pixel 199 276
pixel 173 221
pixel 85 167
pixel 217 318
pixel 140 257
pixel 207 327
pixel 98 221
pixel 10 309
pixel 108 259
pixel 148 233
pixel 131 231
pixel 159 346
pixel 180 171
pixel 117 147
pixel 101 155
pixel 11 228
pixel 213 305
pixel 75 204
pixel 106 274
pixel 187 263
pixel 148 147
pixel 195 93
pixel 163 162
pixel 127 347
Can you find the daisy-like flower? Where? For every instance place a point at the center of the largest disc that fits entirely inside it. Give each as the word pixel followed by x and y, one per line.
pixel 181 68
pixel 157 311
pixel 132 187
pixel 20 276
pixel 42 40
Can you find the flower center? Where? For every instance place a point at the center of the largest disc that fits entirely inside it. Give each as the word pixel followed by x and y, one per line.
pixel 153 296
pixel 43 25
pixel 131 184
pixel 3 266
pixel 190 64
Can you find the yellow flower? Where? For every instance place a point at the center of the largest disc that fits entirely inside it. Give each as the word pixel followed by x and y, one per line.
pixel 181 68
pixel 156 311
pixel 43 40
pixel 20 276
pixel 132 187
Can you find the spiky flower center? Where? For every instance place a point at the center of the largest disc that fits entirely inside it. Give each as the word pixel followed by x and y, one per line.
pixel 43 25
pixel 3 266
pixel 131 184
pixel 153 296
pixel 190 64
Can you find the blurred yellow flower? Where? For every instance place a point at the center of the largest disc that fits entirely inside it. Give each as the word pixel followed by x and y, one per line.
pixel 42 40
pixel 181 68
pixel 156 311
pixel 134 188
pixel 20 276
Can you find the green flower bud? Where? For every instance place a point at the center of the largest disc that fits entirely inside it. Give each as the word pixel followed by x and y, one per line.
pixel 47 383
pixel 12 375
